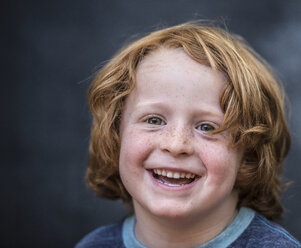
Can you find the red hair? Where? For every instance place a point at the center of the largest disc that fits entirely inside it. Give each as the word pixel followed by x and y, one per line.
pixel 252 102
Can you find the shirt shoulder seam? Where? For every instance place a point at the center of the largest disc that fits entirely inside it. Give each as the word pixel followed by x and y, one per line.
pixel 263 221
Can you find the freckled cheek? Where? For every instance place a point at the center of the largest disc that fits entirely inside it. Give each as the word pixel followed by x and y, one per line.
pixel 135 148
pixel 220 163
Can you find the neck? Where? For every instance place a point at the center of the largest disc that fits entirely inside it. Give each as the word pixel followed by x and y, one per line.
pixel 181 232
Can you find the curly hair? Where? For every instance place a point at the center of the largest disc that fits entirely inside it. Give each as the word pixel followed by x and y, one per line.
pixel 252 102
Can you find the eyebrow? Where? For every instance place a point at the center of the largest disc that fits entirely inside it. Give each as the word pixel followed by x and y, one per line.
pixel 198 111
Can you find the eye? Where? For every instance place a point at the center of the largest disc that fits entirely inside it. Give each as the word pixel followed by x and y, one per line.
pixel 205 127
pixel 155 121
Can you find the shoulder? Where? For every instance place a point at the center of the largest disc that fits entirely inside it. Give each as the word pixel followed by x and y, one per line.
pixel 106 236
pixel 264 233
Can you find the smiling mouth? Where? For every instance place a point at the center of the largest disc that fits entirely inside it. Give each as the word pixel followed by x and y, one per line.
pixel 172 178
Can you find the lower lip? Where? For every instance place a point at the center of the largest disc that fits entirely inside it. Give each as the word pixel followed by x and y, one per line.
pixel 173 188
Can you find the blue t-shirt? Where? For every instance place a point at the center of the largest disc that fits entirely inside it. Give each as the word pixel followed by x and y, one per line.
pixel 248 230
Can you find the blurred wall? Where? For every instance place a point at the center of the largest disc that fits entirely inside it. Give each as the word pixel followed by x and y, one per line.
pixel 50 50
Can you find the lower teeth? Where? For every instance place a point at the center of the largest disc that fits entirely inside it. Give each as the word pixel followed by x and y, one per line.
pixel 169 184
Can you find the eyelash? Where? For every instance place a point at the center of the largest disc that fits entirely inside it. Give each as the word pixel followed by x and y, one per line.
pixel 155 118
pixel 202 127
pixel 206 126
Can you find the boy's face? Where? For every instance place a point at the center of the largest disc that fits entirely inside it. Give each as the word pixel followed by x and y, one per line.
pixel 169 163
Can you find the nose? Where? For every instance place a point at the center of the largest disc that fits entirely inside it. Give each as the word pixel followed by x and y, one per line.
pixel 178 141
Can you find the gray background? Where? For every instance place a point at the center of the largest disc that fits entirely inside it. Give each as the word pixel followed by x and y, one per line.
pixel 50 50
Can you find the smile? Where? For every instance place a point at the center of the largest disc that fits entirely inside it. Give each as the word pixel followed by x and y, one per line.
pixel 173 178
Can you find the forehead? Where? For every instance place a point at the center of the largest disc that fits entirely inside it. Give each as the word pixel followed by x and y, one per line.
pixel 174 70
pixel 164 58
pixel 169 78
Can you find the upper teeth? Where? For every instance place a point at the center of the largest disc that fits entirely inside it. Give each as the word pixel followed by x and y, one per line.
pixel 172 174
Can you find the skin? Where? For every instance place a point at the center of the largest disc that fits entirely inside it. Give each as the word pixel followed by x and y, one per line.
pixel 165 124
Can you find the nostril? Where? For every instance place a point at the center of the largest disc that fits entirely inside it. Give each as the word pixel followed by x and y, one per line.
pixel 177 148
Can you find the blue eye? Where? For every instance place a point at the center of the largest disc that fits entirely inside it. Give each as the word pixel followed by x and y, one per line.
pixel 205 127
pixel 155 121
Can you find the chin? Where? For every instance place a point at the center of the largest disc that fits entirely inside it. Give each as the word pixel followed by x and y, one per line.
pixel 170 211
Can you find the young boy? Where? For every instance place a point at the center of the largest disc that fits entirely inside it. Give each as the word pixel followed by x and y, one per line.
pixel 189 129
